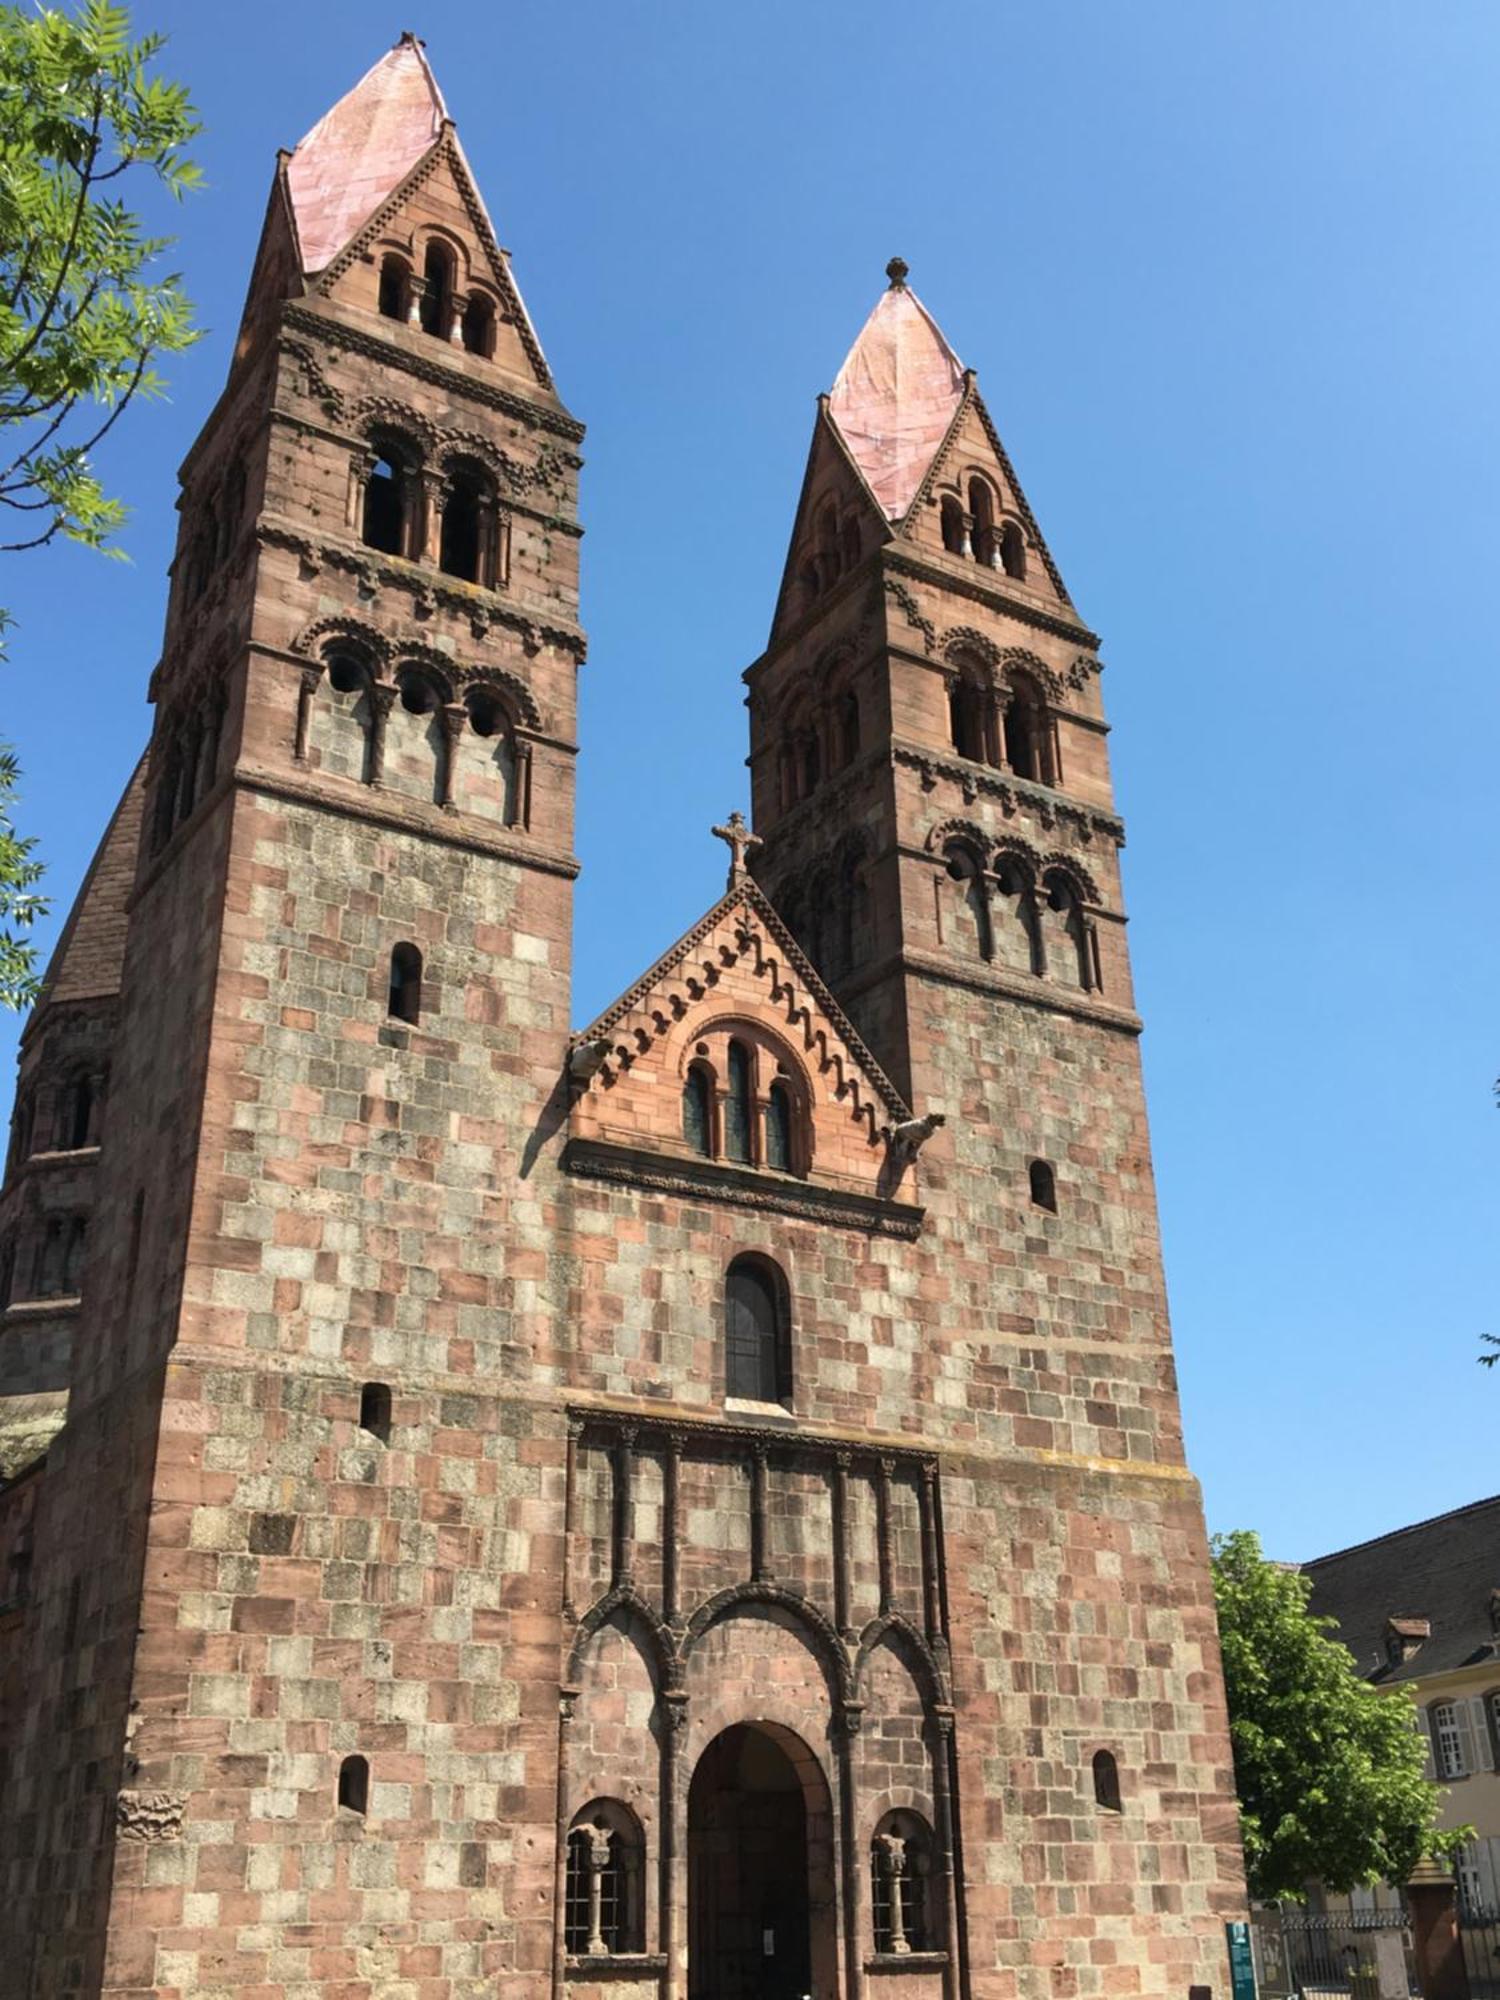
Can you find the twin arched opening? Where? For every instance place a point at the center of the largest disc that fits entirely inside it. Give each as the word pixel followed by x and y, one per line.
pixel 979 533
pixel 1006 724
pixel 451 519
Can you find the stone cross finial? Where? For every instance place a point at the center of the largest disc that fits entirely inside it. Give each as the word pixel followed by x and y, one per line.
pixel 896 271
pixel 740 840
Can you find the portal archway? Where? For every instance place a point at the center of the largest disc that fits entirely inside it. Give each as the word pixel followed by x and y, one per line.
pixel 761 1904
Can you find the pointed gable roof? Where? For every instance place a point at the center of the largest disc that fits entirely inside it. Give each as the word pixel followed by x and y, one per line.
pixel 896 395
pixel 742 925
pixel 358 153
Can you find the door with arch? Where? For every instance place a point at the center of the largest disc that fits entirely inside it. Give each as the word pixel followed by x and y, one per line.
pixel 760 1879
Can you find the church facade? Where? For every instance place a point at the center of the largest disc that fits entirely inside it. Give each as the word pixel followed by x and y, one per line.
pixel 693 1508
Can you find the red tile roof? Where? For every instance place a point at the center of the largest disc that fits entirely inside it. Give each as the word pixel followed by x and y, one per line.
pixel 895 397
pixel 359 152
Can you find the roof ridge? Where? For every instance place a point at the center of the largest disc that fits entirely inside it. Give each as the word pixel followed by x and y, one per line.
pixel 1410 1528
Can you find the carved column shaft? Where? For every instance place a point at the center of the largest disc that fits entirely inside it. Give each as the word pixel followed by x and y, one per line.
pixel 760 1570
pixel 381 698
pixel 671 1471
pixel 942 1751
pixel 931 1593
pixel 841 1545
pixel 624 1476
pixel 883 1515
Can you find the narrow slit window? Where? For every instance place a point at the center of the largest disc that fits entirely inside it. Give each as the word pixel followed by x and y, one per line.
pixel 375 1410
pixel 354 1784
pixel 392 288
pixel 1043 1186
pixel 779 1128
pixel 737 1104
pixel 697 1112
pixel 437 291
pixel 1106 1782
pixel 405 1002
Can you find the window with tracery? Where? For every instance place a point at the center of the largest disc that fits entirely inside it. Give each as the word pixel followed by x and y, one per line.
pixel 603 1904
pixel 901 1885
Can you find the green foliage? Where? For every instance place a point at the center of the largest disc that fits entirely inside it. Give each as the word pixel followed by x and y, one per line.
pixel 1490 1340
pixel 84 309
pixel 1329 1769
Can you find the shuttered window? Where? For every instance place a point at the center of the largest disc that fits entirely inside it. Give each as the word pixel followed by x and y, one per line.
pixel 757 1362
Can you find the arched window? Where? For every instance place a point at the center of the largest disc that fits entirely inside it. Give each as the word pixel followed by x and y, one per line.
pixel 437 290
pixel 1043 1185
pixel 955 539
pixel 966 710
pixel 757 1337
pixel 71 1281
pixel 76 1115
pixel 850 541
pixel 479 325
pixel 810 761
pixel 468 517
pixel 499 796
pixel 375 1410
pixel 902 1886
pixel 405 1001
pixel 354 1784
pixel 393 293
pixel 1014 917
pixel 1013 550
pixel 982 508
pixel 603 1903
pixel 1027 732
pixel 383 525
pixel 1107 1782
pixel 737 1117
pixel 697 1111
pixel 968 924
pixel 779 1127
pixel 847 730
pixel 1065 939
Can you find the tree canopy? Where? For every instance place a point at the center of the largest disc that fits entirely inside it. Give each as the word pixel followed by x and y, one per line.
pixel 1329 1769
pixel 85 309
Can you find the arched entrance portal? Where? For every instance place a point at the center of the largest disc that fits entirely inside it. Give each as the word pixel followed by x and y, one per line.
pixel 760 1869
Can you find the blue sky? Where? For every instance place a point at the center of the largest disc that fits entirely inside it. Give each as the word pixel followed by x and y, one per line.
pixel 1229 277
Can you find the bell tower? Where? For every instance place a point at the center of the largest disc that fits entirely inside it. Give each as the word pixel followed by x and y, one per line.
pixel 927 746
pixel 343 1010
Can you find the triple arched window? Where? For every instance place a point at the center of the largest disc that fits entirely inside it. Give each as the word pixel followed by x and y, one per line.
pixel 979 532
pixel 757 1332
pixel 1007 911
pixel 836 545
pixel 604 1900
pixel 403 729
pixel 436 301
pixel 184 762
pixel 744 1103
pixel 818 739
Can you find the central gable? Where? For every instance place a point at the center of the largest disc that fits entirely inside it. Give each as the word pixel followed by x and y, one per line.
pixel 731 1061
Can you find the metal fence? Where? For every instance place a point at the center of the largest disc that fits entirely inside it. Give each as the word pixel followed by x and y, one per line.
pixel 1338 1957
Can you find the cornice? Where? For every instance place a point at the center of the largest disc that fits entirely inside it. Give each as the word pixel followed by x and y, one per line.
pixel 1050 808
pixel 429 588
pixel 1027 988
pixel 426 368
pixel 655 1427
pixel 924 569
pixel 706 1180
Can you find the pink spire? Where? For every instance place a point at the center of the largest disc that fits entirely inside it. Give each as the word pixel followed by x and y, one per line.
pixel 896 394
pixel 361 150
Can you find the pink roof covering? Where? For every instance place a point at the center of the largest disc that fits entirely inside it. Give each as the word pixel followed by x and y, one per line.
pixel 895 396
pixel 362 149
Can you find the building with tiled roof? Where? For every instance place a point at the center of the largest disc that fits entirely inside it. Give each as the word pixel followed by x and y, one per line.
pixel 689 1509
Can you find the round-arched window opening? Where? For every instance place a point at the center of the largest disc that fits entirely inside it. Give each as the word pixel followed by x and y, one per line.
pixel 479 327
pixel 346 675
pixel 1013 551
pixel 1043 1185
pixel 418 695
pixel 384 510
pixel 392 288
pixel 437 290
pixel 1059 897
pixel 1107 1782
pixel 354 1784
pixel 486 716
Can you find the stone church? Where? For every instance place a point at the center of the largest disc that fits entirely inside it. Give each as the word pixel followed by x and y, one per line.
pixel 692 1508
